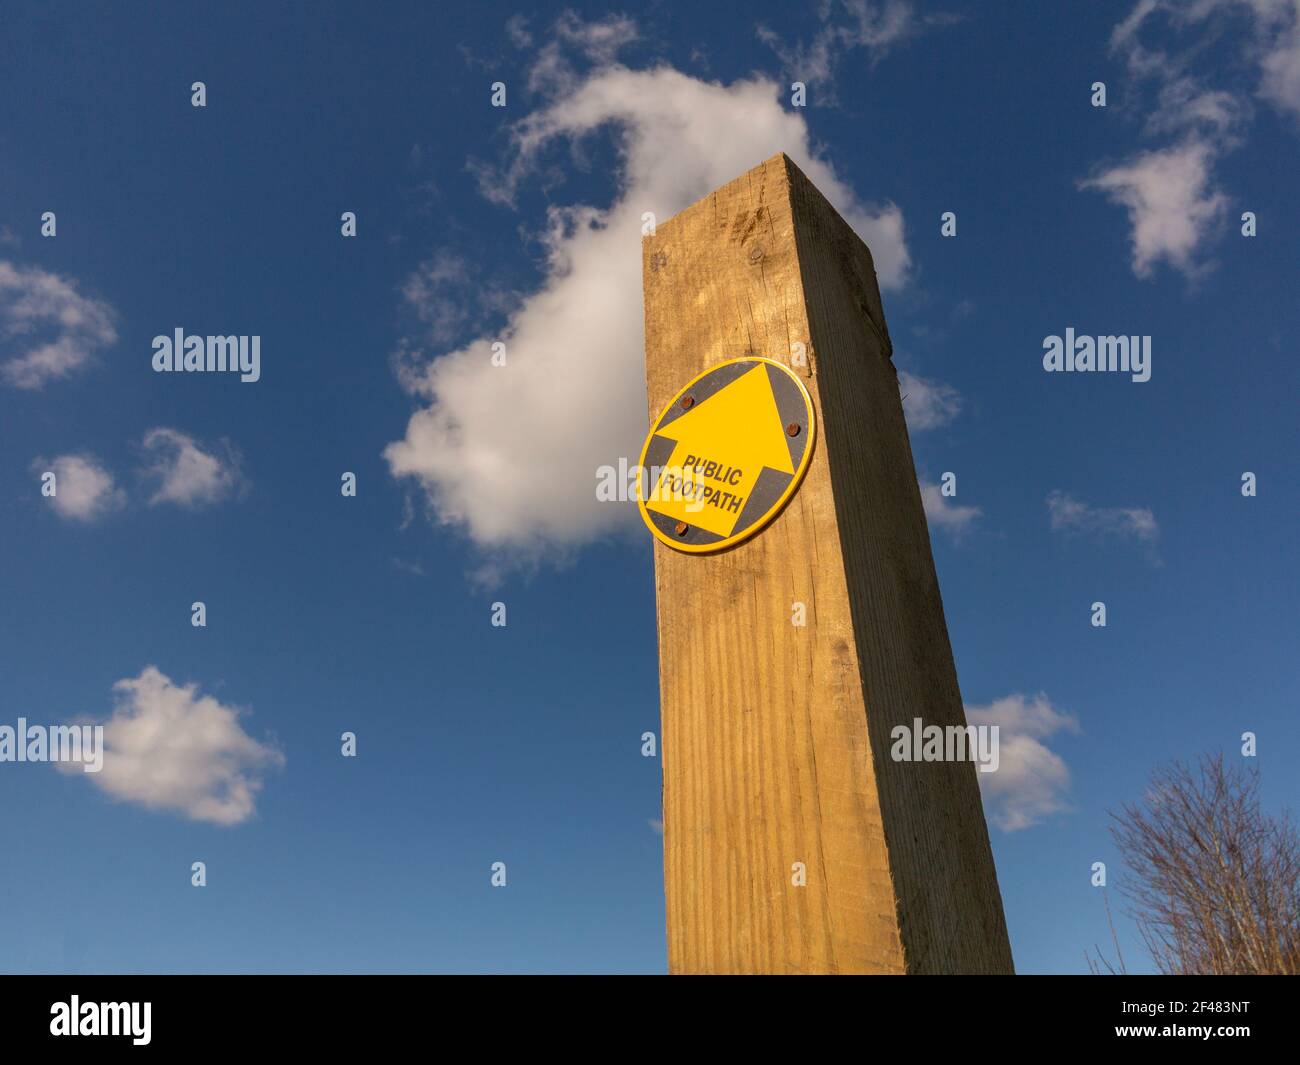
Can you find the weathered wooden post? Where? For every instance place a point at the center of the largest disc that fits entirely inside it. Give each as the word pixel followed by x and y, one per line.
pixel 776 735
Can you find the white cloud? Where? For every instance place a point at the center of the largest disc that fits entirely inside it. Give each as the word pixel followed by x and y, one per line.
pixel 1070 516
pixel 928 403
pixel 1170 193
pixel 509 454
pixel 59 328
pixel 942 513
pixel 1171 202
pixel 83 488
pixel 185 472
pixel 1031 781
pixel 167 747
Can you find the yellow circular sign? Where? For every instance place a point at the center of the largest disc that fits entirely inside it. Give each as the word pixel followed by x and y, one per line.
pixel 725 455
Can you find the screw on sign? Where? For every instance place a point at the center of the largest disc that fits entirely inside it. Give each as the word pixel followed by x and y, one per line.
pixel 725 455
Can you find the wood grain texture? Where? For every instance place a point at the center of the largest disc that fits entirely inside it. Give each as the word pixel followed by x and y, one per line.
pixel 776 737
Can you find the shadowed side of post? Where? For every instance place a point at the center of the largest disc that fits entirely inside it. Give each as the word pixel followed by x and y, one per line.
pixel 949 905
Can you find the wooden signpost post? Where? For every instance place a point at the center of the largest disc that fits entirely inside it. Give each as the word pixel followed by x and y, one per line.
pixel 793 843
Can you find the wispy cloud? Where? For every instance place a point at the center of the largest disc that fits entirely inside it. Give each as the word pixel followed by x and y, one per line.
pixel 56 329
pixel 1031 781
pixel 415 569
pixel 1268 43
pixel 847 25
pixel 598 41
pixel 449 297
pixel 1070 516
pixel 927 403
pixel 186 472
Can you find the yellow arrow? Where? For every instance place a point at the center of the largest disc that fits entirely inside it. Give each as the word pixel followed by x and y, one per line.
pixel 722 447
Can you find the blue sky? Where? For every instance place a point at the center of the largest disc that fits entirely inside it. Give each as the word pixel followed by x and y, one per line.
pixel 372 614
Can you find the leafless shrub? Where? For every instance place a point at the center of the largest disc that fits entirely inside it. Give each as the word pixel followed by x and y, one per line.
pixel 1214 882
